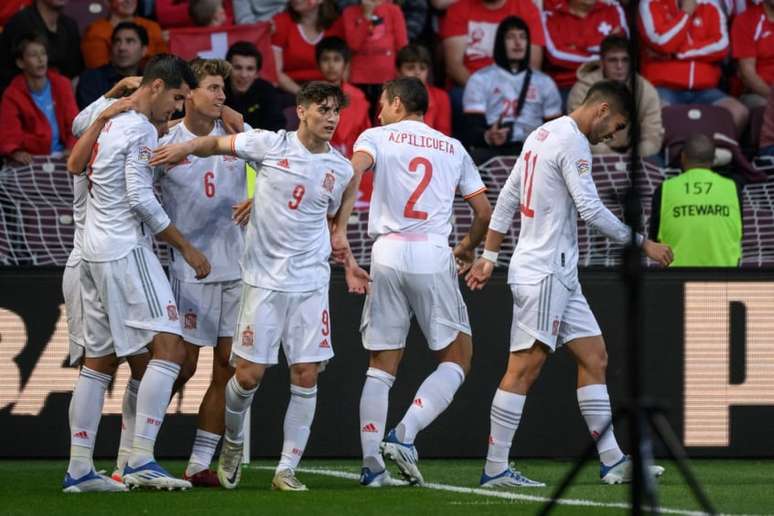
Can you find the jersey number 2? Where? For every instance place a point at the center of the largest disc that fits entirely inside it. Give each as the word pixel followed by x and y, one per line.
pixel 409 212
pixel 530 160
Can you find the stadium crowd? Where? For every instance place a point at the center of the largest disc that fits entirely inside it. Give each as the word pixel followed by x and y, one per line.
pixel 718 53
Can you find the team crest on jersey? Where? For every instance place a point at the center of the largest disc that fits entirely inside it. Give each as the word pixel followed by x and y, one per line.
pixel 172 312
pixel 329 182
pixel 248 337
pixel 542 134
pixel 144 153
pixel 189 321
pixel 583 166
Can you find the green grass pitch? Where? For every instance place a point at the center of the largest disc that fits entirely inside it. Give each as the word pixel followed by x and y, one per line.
pixel 734 486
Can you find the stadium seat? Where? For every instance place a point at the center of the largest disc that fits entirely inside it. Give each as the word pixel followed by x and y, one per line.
pixel 86 11
pixel 680 121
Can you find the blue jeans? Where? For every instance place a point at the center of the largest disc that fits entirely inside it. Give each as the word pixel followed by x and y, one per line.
pixel 672 97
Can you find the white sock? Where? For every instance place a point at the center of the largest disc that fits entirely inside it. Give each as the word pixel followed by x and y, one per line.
pixel 128 417
pixel 298 425
pixel 504 420
pixel 203 449
pixel 594 403
pixel 238 400
pixel 85 413
pixel 373 416
pixel 152 401
pixel 432 398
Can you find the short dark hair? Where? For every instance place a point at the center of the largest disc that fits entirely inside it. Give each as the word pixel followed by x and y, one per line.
pixel 317 92
pixel 142 34
pixel 615 93
pixel 332 44
pixel 614 42
pixel 202 12
pixel 21 43
pixel 173 70
pixel 699 150
pixel 413 53
pixel 411 92
pixel 246 49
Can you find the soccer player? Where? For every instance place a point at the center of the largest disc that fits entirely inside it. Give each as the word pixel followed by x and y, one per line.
pixel 417 171
pixel 199 195
pixel 285 272
pixel 127 299
pixel 551 184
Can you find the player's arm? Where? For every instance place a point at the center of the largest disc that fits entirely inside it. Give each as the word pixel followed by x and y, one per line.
pixel 202 146
pixel 82 150
pixel 361 161
pixel 464 251
pixel 501 221
pixel 576 171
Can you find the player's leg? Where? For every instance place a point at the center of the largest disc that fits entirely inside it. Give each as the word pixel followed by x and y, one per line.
pixel 385 324
pixel 188 367
pixel 211 423
pixel 137 364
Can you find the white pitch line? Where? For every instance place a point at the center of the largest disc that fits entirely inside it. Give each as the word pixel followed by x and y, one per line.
pixel 506 495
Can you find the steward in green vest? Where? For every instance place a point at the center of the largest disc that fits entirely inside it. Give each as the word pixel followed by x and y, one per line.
pixel 698 213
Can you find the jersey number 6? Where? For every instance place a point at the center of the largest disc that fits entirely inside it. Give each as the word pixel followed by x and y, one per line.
pixel 209 185
pixel 409 212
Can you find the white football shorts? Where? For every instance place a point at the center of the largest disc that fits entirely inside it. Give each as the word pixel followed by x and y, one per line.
pixel 550 313
pixel 71 290
pixel 413 275
pixel 207 310
pixel 126 302
pixel 300 321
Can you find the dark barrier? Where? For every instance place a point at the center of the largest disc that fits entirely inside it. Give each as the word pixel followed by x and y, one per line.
pixel 709 346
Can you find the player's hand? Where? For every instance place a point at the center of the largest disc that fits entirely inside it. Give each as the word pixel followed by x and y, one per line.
pixel 464 258
pixel 496 135
pixel 340 249
pixel 658 252
pixel 358 280
pixel 117 107
pixel 233 121
pixel 479 274
pixel 196 260
pixel 241 212
pixel 170 154
pixel 124 87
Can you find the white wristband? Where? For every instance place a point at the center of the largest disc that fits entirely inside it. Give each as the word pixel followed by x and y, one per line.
pixel 490 256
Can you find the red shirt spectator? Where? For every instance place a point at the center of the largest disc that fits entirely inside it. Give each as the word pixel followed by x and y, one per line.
pixel 573 31
pixel 294 52
pixel 752 42
pixel 174 13
pixel 24 127
pixel 414 61
pixel 353 121
pixel 10 7
pixel 682 51
pixel 374 38
pixel 438 114
pixel 476 21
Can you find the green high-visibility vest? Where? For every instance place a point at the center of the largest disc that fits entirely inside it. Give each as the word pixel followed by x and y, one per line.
pixel 701 219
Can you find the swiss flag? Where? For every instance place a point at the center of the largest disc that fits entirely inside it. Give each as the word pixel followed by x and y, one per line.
pixel 213 43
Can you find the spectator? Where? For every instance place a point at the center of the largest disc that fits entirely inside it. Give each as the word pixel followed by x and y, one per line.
pixel 507 100
pixel 414 61
pixel 296 32
pixel 685 42
pixel 98 38
pixel 129 47
pixel 615 64
pixel 574 30
pixel 698 213
pixel 207 13
pixel 333 57
pixel 252 11
pixel 767 131
pixel 61 32
pixel 247 93
pixel 175 13
pixel 375 30
pixel 414 12
pixel 752 41
pixel 11 7
pixel 468 33
pixel 38 107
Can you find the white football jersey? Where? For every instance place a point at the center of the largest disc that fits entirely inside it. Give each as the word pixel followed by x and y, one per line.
pixel 122 211
pixel 198 194
pixel 550 185
pixel 417 171
pixel 80 194
pixel 287 243
pixel 494 92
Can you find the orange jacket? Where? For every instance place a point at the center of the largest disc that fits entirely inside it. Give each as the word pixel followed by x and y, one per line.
pixel 96 42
